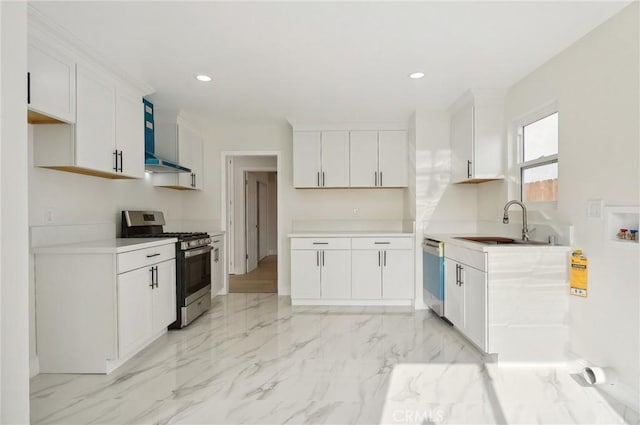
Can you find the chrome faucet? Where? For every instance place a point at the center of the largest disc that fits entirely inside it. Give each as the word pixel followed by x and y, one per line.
pixel 505 218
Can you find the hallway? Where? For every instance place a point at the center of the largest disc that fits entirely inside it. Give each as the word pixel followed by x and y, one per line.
pixel 263 279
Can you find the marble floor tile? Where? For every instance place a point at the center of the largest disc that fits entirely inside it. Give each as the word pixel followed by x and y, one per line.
pixel 255 359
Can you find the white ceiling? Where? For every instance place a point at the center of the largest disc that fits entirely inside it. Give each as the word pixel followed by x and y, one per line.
pixel 325 62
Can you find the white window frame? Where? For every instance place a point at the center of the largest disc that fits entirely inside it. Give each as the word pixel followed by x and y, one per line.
pixel 520 164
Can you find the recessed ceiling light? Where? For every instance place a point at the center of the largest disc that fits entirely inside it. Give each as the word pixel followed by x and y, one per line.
pixel 416 75
pixel 203 77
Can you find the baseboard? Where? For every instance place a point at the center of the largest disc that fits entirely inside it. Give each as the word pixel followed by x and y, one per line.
pixel 34 366
pixel 320 302
pixel 272 252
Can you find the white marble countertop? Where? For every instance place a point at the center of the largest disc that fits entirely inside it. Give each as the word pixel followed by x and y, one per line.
pixel 349 234
pixel 452 239
pixel 108 246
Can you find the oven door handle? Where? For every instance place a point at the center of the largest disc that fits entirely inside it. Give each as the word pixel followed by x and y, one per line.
pixel 199 251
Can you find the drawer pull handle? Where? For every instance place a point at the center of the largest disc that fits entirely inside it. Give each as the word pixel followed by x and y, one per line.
pixel 382 243
pixel 321 243
pixel 153 255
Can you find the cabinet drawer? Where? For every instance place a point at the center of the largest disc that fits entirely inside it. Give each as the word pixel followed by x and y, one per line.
pixel 475 259
pixel 320 243
pixel 143 257
pixel 382 243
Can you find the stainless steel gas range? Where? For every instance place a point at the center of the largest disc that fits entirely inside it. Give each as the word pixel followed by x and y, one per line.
pixel 193 262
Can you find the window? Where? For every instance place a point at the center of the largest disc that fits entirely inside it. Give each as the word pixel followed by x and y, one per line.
pixel 538 159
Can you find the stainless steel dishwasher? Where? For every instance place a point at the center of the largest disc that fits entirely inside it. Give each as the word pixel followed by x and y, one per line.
pixel 433 275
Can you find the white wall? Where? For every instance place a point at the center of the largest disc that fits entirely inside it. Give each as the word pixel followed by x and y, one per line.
pixel 294 204
pixel 14 248
pixel 595 82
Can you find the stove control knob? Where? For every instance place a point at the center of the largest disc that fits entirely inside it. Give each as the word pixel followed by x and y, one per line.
pixel 207 241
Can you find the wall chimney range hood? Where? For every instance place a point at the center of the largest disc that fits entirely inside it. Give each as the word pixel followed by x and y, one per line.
pixel 155 154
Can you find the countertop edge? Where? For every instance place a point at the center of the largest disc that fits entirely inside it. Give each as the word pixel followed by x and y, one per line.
pixel 109 246
pixel 351 235
pixel 477 246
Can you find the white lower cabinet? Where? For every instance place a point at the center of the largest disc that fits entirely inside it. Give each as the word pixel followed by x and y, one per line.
pixel 320 274
pixel 146 304
pixel 466 294
pixel 134 311
pixel 305 272
pixel 335 274
pixel 352 270
pixel 94 310
pixel 397 274
pixel 366 274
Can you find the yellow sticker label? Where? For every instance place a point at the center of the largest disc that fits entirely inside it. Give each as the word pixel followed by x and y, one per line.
pixel 578 275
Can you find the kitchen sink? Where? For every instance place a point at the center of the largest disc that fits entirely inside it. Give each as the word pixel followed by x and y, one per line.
pixel 499 240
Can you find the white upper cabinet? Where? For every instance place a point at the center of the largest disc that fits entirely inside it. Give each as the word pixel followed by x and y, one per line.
pixel 477 144
pixel 190 156
pixel 335 159
pixel 178 141
pixel 130 133
pixel 306 159
pixel 96 122
pixel 378 159
pixel 392 159
pixel 51 84
pixel 108 137
pixel 88 118
pixel 320 159
pixel 364 159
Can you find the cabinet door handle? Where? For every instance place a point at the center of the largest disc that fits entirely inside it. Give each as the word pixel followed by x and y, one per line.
pixel 380 178
pixel 318 258
pixel 375 178
pixel 322 258
pixel 318 179
pixel 384 261
pixel 468 168
pixel 120 155
pixel 115 159
pixel 461 276
pixel 458 274
pixel 379 252
pixel 152 270
pixel 28 88
pixel 157 277
pixel 323 179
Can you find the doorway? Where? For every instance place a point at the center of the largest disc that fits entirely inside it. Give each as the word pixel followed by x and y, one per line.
pixel 252 223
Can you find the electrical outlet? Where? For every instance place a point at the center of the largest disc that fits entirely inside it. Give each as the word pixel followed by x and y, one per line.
pixel 594 208
pixel 49 216
pixel 356 211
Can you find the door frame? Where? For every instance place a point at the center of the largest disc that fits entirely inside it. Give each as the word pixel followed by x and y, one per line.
pixel 263 225
pixel 246 220
pixel 226 188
